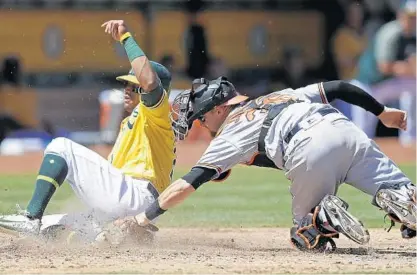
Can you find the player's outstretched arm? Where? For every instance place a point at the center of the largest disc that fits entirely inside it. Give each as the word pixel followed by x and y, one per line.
pixel 146 76
pixel 176 193
pixel 390 117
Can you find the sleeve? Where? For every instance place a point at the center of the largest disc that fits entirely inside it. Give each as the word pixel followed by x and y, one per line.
pixel 152 98
pixel 198 176
pixel 314 93
pixel 220 156
pixel 158 113
pixel 352 94
pixel 223 176
pixel 386 45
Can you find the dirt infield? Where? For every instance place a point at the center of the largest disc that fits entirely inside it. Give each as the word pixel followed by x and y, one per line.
pixel 187 155
pixel 202 250
pixel 218 251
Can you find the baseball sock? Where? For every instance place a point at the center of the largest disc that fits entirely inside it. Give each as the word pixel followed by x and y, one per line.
pixel 51 175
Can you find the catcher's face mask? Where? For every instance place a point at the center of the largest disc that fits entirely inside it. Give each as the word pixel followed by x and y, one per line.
pixel 181 111
pixel 195 103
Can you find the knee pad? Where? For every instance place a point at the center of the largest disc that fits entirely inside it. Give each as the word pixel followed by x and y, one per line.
pixel 57 146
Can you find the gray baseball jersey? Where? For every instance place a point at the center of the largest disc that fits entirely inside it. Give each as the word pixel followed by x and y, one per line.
pixel 328 151
pixel 237 140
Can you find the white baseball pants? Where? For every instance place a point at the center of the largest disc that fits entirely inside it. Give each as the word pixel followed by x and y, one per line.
pixel 104 189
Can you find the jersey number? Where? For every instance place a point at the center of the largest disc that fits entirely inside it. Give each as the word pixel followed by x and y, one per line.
pixel 260 104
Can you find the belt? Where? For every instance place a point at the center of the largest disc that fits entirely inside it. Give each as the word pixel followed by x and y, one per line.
pixel 152 190
pixel 309 120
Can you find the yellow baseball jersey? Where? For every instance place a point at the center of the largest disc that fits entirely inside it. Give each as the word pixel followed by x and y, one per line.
pixel 145 146
pixel 348 44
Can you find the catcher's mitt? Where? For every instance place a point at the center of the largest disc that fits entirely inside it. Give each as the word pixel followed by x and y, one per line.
pixel 127 230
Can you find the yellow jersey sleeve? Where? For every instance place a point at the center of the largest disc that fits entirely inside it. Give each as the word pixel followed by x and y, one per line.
pixel 159 113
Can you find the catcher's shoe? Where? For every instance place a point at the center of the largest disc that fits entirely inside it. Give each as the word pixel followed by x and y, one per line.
pixel 407 233
pixel 399 203
pixel 19 224
pixel 334 214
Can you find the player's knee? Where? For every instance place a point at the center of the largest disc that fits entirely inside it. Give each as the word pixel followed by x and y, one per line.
pixel 57 146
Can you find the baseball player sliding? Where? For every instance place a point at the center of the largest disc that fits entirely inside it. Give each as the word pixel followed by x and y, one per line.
pixel 139 166
pixel 299 132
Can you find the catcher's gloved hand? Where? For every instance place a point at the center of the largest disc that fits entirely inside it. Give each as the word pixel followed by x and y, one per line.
pixel 130 225
pixel 127 230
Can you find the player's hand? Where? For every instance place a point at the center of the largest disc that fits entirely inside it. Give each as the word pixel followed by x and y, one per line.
pixel 394 118
pixel 116 28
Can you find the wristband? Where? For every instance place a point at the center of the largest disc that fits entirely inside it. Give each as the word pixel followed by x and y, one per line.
pixel 133 50
pixel 124 36
pixel 154 211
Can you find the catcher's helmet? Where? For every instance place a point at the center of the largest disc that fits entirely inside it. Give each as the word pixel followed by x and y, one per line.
pixel 203 96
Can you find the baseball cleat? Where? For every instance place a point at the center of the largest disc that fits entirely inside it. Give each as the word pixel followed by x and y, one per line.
pixel 396 203
pixel 342 221
pixel 17 225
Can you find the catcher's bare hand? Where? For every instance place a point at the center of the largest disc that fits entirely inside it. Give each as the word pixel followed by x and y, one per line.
pixel 394 118
pixel 116 28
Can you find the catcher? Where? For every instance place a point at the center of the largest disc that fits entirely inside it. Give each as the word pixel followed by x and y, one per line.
pixel 298 132
pixel 138 168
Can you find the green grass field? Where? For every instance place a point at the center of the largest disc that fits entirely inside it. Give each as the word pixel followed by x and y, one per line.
pixel 251 197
